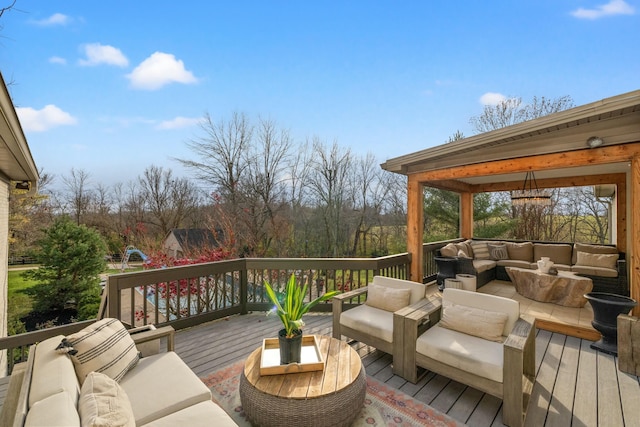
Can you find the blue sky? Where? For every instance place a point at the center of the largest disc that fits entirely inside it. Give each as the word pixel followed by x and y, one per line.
pixel 112 87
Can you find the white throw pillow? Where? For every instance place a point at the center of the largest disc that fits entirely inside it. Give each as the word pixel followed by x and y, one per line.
pixel 103 403
pixel 104 346
pixel 387 298
pixel 474 321
pixel 597 260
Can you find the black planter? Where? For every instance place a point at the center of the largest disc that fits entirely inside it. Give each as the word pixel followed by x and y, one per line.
pixel 606 308
pixel 446 270
pixel 290 348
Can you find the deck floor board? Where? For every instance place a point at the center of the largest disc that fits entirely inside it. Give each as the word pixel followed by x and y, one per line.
pixel 575 384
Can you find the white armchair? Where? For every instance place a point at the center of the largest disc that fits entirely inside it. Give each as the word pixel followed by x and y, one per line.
pixel 479 340
pixel 379 322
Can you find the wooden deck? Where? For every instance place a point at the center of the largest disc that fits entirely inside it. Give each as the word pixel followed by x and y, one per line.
pixel 576 386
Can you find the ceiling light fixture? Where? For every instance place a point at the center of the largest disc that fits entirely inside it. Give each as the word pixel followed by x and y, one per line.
pixel 530 193
pixel 595 141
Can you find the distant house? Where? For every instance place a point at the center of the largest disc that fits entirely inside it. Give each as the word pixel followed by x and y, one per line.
pixel 181 241
pixel 17 171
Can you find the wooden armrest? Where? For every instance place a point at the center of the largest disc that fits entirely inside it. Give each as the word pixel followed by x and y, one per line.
pixel 522 331
pixel 345 296
pixel 11 415
pixel 149 333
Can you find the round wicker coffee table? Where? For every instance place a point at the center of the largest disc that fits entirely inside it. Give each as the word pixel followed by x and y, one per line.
pixel 331 397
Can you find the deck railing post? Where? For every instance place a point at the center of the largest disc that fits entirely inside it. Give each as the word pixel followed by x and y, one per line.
pixel 244 289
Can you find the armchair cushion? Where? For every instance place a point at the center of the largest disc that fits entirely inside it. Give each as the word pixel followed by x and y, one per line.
pixel 53 372
pixel 465 352
pixel 56 410
pixel 418 290
pixel 386 298
pixel 370 320
pixel 474 321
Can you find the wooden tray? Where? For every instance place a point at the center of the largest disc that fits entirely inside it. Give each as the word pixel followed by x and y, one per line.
pixel 311 359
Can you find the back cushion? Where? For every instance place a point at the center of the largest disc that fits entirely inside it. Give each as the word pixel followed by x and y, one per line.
pixel 387 298
pixel 418 290
pixel 558 253
pixel 520 251
pixel 52 373
pixel 485 302
pixel 592 249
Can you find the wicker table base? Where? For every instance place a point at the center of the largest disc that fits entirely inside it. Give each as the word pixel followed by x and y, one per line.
pixel 331 397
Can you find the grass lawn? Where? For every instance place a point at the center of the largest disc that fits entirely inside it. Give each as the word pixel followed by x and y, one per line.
pixel 19 303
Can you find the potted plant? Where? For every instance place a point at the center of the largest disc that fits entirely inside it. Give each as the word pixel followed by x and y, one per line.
pixel 290 307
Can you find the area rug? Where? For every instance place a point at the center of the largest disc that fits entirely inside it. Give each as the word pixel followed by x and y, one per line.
pixel 383 405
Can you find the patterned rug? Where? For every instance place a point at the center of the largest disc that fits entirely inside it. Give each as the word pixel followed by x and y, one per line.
pixel 383 405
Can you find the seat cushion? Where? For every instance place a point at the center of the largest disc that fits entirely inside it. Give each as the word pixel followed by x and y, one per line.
pixel 481 265
pixel 369 320
pixel 203 414
pixel 57 410
pixel 594 271
pixel 104 346
pixel 514 263
pixel 53 372
pixel 160 385
pixel 465 352
pixel 103 403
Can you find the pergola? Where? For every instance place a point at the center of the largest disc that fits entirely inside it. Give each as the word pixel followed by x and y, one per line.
pixel 555 147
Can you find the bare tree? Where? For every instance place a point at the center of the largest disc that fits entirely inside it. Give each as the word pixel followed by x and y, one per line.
pixel 511 111
pixel 168 200
pixel 78 195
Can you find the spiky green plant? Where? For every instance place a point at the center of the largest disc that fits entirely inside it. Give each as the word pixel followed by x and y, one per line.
pixel 290 307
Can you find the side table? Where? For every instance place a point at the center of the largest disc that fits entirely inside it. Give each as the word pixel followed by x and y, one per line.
pixel 331 397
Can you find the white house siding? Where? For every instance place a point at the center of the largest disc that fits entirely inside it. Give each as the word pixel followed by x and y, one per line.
pixel 4 257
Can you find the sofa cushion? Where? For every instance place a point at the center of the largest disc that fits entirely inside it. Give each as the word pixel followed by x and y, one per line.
pixel 474 321
pixel 514 263
pixel 104 346
pixel 480 250
pixel 203 414
pixel 103 403
pixel 387 298
pixel 369 320
pixel 418 290
pixel 52 372
pixel 468 353
pixel 464 249
pixel 449 250
pixel 160 385
pixel 558 253
pixel 520 251
pixel 597 260
pixel 594 271
pixel 498 251
pixel 57 410
pixel 480 265
pixel 592 249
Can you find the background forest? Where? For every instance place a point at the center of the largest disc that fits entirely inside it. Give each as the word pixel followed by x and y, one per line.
pixel 266 195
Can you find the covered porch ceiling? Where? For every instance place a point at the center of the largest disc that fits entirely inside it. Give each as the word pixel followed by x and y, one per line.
pixel 556 148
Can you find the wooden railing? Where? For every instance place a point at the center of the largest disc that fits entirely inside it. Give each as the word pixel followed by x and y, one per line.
pixel 429 266
pixel 191 295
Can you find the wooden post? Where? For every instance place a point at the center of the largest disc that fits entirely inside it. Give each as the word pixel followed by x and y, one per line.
pixel 466 215
pixel 629 344
pixel 634 270
pixel 415 226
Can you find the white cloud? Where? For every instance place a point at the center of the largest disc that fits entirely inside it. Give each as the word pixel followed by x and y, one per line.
pixel 179 122
pixel 103 54
pixel 159 70
pixel 53 20
pixel 492 98
pixel 614 7
pixel 50 116
pixel 57 60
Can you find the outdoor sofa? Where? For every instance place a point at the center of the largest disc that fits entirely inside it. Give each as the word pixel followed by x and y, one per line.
pixel 54 388
pixel 487 259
